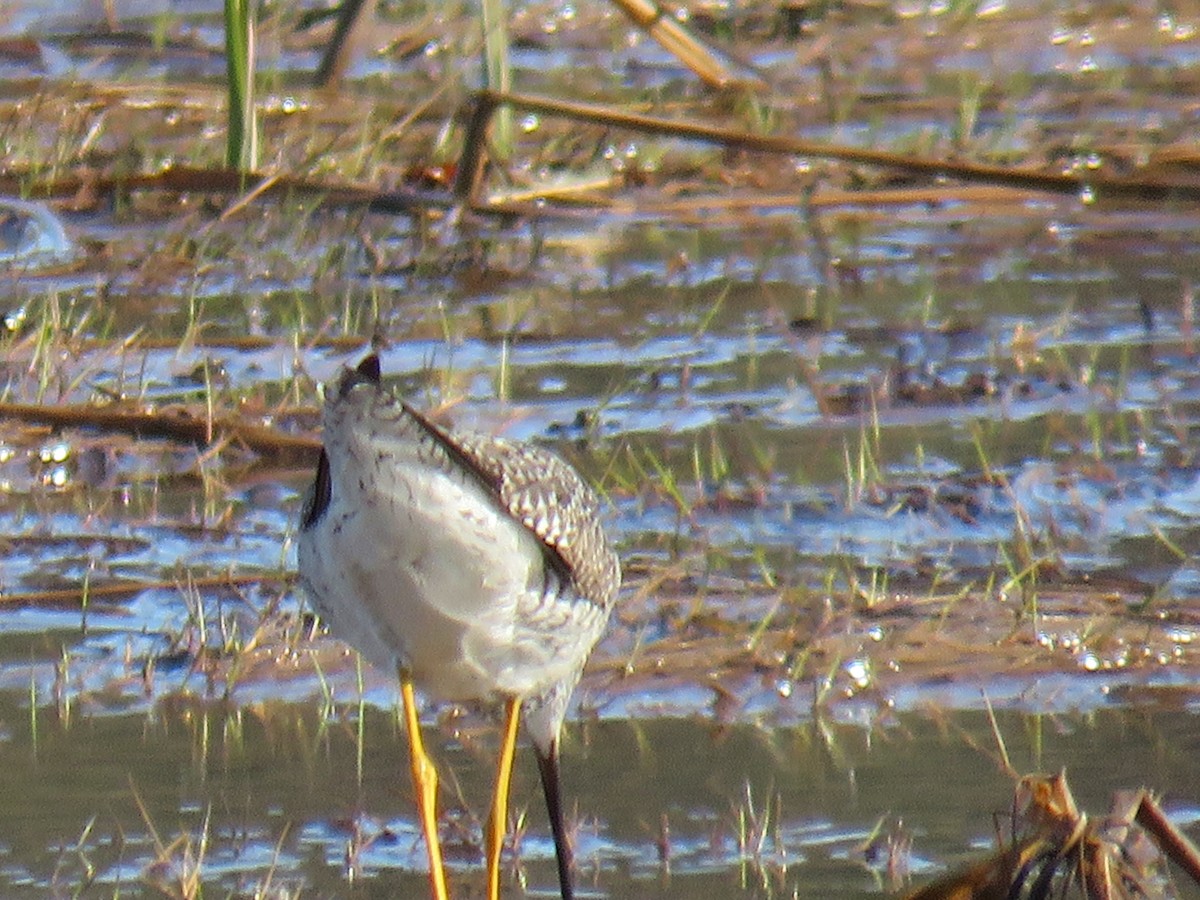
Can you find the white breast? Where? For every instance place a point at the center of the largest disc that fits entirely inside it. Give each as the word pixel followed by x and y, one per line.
pixel 417 566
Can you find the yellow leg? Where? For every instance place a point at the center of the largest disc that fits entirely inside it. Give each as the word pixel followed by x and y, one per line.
pixel 425 782
pixel 498 820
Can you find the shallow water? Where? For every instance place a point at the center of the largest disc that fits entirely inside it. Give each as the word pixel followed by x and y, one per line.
pixel 871 467
pixel 273 791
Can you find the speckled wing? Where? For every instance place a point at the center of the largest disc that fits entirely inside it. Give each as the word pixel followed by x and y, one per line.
pixel 549 498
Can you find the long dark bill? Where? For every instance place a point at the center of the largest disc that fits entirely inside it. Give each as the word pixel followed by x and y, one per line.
pixel 548 767
pixel 366 372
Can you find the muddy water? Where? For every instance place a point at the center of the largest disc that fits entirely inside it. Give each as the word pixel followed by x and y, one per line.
pixel 667 806
pixel 871 467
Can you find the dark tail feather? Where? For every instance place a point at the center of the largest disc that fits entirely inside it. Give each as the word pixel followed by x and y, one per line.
pixel 548 767
pixel 321 494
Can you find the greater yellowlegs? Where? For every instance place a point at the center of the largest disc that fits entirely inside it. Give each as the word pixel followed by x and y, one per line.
pixel 475 567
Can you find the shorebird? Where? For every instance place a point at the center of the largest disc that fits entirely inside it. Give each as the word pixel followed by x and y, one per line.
pixel 473 566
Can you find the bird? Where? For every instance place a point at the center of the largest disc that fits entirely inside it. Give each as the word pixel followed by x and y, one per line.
pixel 475 567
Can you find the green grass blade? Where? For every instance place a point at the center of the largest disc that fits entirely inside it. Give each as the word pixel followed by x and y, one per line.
pixel 241 149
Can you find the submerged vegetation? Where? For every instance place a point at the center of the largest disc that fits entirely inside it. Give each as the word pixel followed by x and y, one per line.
pixel 875 329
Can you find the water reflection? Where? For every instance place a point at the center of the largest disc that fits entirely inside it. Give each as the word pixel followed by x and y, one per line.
pixel 669 807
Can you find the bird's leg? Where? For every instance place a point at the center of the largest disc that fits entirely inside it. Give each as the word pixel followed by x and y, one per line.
pixel 548 767
pixel 425 783
pixel 498 819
